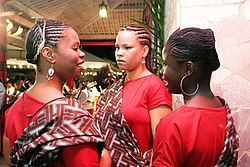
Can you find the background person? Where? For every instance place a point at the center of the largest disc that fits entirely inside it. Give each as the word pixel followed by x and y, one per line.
pixel 129 111
pixel 44 128
pixel 201 133
pixel 2 109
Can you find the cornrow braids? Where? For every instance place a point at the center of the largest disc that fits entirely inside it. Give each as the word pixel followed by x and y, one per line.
pixel 197 45
pixel 144 37
pixel 43 32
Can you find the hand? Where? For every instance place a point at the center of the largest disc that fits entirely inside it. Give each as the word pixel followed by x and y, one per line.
pixel 106 160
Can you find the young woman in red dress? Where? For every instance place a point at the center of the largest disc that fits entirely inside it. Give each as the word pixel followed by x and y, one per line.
pixel 130 110
pixel 201 133
pixel 44 128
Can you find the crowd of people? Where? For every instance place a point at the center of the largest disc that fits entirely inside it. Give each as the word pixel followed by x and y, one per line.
pixel 134 123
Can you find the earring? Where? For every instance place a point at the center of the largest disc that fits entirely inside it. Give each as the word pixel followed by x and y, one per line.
pixel 50 73
pixel 188 94
pixel 143 60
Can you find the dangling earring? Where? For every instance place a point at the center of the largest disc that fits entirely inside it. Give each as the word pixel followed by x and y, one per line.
pixel 188 94
pixel 143 60
pixel 50 73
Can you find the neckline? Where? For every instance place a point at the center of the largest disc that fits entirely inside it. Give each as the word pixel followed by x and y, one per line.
pixel 44 104
pixel 126 81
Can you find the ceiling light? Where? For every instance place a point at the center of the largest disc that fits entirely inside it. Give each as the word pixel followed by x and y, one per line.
pixel 19 31
pixel 103 10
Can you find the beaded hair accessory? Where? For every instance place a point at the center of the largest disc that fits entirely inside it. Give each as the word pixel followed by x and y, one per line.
pixel 42 43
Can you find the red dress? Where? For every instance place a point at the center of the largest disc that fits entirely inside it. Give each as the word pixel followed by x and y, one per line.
pixel 17 121
pixel 140 96
pixel 190 136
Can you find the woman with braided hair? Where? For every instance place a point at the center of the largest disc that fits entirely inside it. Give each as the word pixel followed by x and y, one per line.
pixel 201 133
pixel 44 128
pixel 129 111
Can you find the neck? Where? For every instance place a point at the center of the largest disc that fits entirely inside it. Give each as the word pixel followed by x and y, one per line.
pixel 137 73
pixel 46 90
pixel 203 99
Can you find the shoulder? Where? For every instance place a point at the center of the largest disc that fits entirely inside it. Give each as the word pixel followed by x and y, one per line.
pixel 69 104
pixel 154 79
pixel 179 117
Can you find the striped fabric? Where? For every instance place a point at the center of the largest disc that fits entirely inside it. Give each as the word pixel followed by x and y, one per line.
pixel 119 139
pixel 229 154
pixel 62 122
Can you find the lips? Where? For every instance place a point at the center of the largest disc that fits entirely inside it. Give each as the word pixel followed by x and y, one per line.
pixel 80 64
pixel 120 61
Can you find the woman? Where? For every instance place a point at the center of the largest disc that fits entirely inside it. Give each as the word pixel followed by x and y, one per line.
pixel 201 133
pixel 43 128
pixel 129 111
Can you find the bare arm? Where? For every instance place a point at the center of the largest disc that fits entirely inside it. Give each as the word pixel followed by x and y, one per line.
pixel 6 149
pixel 106 160
pixel 156 114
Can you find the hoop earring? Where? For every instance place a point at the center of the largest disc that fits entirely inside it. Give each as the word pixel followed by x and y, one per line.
pixel 188 94
pixel 50 73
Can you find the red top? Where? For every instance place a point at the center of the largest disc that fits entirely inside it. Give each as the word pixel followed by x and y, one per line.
pixel 17 121
pixel 140 96
pixel 190 136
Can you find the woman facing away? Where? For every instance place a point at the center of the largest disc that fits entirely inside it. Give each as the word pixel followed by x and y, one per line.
pixel 130 110
pixel 201 133
pixel 44 128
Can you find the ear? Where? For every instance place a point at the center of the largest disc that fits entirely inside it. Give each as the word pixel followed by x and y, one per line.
pixel 189 68
pixel 145 51
pixel 48 54
pixel 163 53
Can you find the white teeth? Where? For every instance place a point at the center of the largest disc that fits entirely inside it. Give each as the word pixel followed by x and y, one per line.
pixel 80 65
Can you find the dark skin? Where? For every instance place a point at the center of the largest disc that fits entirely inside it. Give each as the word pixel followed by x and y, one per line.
pixel 173 71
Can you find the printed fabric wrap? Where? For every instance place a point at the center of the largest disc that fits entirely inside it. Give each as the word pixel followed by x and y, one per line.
pixel 61 122
pixel 229 154
pixel 119 139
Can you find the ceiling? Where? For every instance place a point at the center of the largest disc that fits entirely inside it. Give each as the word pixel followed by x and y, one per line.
pixel 82 15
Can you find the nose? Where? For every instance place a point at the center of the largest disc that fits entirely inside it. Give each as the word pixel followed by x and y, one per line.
pixel 82 54
pixel 118 52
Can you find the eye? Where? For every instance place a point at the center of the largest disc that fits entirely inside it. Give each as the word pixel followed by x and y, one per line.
pixel 127 47
pixel 75 48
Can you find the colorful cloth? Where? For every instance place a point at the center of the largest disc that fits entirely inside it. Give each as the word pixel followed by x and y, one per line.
pixel 119 139
pixel 229 154
pixel 62 122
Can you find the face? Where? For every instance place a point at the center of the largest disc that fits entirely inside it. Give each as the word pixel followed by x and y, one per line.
pixel 69 58
pixel 129 52
pixel 171 71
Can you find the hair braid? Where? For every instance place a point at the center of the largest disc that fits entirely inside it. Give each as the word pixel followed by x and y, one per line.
pixel 42 33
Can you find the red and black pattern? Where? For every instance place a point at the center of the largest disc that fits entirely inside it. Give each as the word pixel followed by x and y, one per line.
pixel 119 139
pixel 62 122
pixel 230 150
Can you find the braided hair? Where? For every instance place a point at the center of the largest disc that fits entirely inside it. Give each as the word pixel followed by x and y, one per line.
pixel 144 38
pixel 196 45
pixel 44 32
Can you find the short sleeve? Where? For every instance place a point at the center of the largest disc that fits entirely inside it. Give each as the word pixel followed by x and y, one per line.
pixel 158 94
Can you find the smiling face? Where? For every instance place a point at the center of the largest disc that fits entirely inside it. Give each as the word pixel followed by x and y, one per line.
pixel 69 57
pixel 129 52
pixel 171 71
